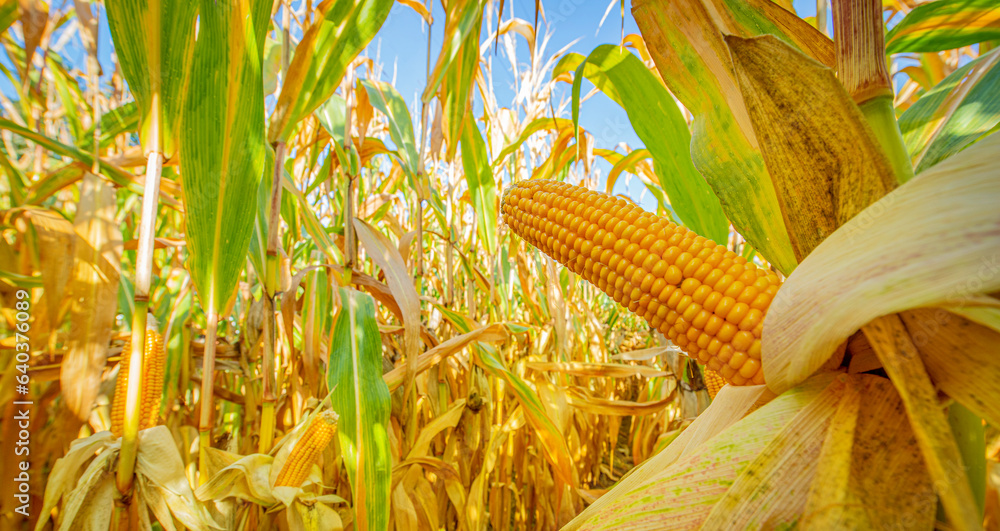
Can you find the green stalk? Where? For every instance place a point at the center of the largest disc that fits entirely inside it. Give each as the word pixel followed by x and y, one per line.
pixel 270 341
pixel 205 420
pixel 143 279
pixel 881 117
pixel 268 356
pixel 861 67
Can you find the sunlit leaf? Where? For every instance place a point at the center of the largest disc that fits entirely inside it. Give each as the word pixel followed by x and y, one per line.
pixel 322 57
pixel 455 71
pixel 464 18
pixel 956 112
pixel 387 100
pixel 222 145
pixel 682 495
pixel 944 25
pixel 686 43
pixel 154 42
pixel 482 185
pixel 659 123
pixel 553 443
pixel 894 348
pixel 93 293
pixel 361 399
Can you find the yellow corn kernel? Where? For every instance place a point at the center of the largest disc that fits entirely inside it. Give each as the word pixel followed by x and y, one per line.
pixel 707 300
pixel 150 387
pixel 307 450
pixel 713 382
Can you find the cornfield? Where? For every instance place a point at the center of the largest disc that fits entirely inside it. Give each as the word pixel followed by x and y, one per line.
pixel 248 283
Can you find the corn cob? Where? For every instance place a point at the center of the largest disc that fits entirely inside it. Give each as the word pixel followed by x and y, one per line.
pixel 703 297
pixel 713 382
pixel 151 385
pixel 307 449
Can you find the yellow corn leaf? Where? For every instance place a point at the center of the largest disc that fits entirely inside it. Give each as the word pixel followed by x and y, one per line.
pixel 681 495
pixel 50 242
pixel 932 240
pixel 582 399
pixel 685 40
pixel 768 492
pixel 88 506
pixel 960 356
pixel 870 474
pixel 642 354
pixel 452 481
pixel 476 510
pixel 728 407
pixel 420 8
pixel 552 442
pixel 93 293
pixel 443 422
pixel 66 472
pixel 160 484
pixel 891 342
pixel 387 256
pixel 493 332
pixel 824 160
pixel 308 517
pixel 609 370
pixel 403 510
pixel 245 479
pixel 159 463
pixel 627 163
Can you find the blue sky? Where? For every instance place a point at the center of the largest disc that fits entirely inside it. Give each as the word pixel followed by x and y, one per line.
pixel 401 47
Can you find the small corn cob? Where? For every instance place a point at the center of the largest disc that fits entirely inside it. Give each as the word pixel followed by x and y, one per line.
pixel 703 297
pixel 307 449
pixel 713 382
pixel 151 385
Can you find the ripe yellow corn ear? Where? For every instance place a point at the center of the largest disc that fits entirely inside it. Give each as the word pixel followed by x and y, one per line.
pixel 307 450
pixel 707 300
pixel 151 386
pixel 713 382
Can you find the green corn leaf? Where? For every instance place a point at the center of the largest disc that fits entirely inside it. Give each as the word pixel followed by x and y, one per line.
pixel 109 170
pixel 120 120
pixel 945 25
pixel 361 399
pixel 463 22
pixel 383 96
pixel 258 239
pixel 659 123
pixel 455 72
pixel 222 148
pixel 322 57
pixel 153 41
pixel 482 185
pixel 957 111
